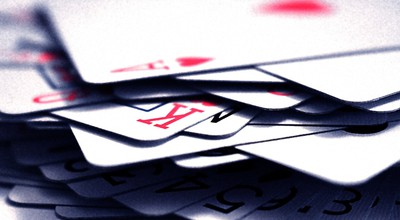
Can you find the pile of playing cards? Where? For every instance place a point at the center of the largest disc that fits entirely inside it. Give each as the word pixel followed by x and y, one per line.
pixel 150 109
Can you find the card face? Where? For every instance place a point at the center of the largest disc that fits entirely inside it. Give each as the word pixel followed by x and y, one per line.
pixel 156 124
pixel 366 70
pixel 113 152
pixel 245 75
pixel 198 42
pixel 332 155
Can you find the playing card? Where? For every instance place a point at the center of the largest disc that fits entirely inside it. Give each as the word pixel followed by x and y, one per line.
pixel 113 151
pixel 339 75
pixel 200 157
pixel 159 123
pixel 361 155
pixel 152 41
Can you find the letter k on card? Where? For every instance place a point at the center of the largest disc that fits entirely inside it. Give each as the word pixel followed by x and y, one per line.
pixel 157 124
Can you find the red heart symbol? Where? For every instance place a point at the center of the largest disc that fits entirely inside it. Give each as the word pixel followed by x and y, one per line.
pixel 192 61
pixel 302 7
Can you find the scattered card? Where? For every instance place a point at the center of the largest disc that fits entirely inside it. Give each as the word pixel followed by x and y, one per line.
pixel 102 150
pixel 212 115
pixel 375 75
pixel 260 31
pixel 157 124
pixel 337 156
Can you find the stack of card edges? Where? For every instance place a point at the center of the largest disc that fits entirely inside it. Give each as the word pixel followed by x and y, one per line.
pixel 279 109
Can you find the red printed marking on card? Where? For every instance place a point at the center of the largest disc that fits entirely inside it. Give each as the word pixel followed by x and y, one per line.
pixel 42 58
pixel 62 96
pixel 192 61
pixel 171 117
pixel 159 64
pixel 205 103
pixel 47 57
pixel 281 93
pixel 22 57
pixel 297 7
